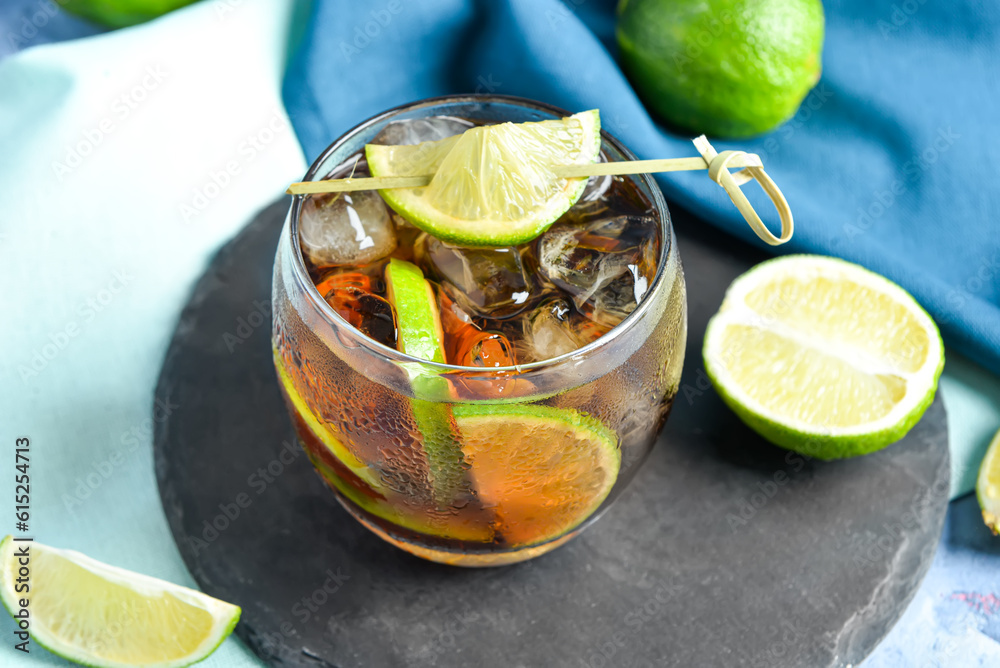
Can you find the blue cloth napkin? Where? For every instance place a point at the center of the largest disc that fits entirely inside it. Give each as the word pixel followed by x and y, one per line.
pixel 891 162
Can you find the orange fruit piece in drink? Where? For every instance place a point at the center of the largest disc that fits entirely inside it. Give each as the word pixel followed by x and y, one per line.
pixel 340 279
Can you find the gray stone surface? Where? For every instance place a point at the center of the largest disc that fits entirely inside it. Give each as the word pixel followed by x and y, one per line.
pixel 724 551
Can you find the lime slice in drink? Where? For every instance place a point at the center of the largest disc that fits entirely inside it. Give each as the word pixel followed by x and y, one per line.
pixel 822 356
pixel 323 434
pixel 543 470
pixel 493 185
pixel 362 484
pixel 988 486
pixel 100 615
pixel 420 335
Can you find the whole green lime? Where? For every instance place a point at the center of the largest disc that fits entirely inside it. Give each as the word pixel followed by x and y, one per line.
pixel 121 13
pixel 729 68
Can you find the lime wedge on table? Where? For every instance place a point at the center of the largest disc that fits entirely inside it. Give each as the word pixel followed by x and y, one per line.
pixel 988 486
pixel 822 356
pixel 493 185
pixel 100 615
pixel 420 335
pixel 543 470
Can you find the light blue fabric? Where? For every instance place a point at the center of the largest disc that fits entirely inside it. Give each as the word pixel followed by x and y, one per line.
pixel 891 162
pixel 99 388
pixel 127 159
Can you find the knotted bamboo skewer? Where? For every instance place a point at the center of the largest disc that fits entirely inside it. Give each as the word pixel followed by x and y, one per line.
pixel 717 164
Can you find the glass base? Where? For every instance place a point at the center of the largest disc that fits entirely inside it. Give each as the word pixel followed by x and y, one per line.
pixel 453 558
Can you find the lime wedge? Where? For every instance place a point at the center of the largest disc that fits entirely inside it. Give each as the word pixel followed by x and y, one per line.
pixel 822 356
pixel 420 335
pixel 543 470
pixel 988 486
pixel 493 185
pixel 100 615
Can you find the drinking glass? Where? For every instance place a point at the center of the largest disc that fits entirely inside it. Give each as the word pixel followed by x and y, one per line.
pixel 365 413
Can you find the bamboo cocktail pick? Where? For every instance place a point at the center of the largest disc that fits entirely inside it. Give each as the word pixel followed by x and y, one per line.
pixel 717 164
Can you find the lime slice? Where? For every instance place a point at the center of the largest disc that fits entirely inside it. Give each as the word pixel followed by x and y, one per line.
pixel 322 433
pixel 822 356
pixel 988 486
pixel 468 524
pixel 420 335
pixel 543 470
pixel 100 615
pixel 493 185
pixel 366 490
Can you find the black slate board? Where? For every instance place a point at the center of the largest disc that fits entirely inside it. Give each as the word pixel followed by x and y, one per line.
pixel 724 551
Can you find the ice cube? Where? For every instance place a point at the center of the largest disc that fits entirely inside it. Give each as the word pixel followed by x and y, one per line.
pixel 485 282
pixel 597 186
pixel 407 237
pixel 419 130
pixel 593 202
pixel 605 266
pixel 370 314
pixel 547 332
pixel 346 228
pixel 554 329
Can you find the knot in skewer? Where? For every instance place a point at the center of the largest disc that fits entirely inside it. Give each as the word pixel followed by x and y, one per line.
pixel 718 171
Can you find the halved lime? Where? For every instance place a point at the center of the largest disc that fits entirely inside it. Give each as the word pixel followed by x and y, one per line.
pixel 822 356
pixel 420 335
pixel 988 486
pixel 99 615
pixel 543 470
pixel 493 185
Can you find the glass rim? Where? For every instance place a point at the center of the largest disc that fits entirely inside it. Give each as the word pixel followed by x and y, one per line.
pixel 302 274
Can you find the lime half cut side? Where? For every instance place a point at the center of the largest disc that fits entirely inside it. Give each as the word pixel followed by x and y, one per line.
pixel 822 356
pixel 493 185
pixel 988 486
pixel 99 615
